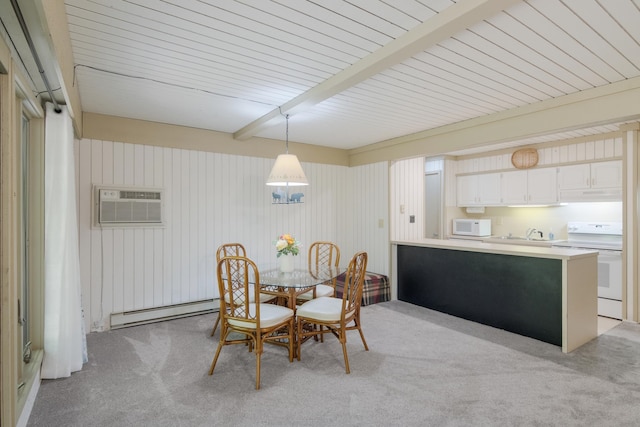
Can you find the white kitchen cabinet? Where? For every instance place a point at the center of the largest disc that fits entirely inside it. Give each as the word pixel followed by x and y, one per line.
pixel 478 190
pixel 530 187
pixel 606 174
pixel 514 187
pixel 467 190
pixel 574 177
pixel 592 182
pixel 543 186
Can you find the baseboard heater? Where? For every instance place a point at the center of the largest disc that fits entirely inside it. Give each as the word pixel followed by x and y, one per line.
pixel 158 314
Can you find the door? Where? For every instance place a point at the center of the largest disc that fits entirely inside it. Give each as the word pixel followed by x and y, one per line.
pixel 433 205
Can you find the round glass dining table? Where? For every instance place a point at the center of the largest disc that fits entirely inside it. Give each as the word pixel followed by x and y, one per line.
pixel 302 279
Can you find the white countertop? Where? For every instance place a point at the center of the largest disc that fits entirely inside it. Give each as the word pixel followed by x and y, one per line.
pixel 500 248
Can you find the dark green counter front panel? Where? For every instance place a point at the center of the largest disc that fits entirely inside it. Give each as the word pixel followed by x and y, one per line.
pixel 518 294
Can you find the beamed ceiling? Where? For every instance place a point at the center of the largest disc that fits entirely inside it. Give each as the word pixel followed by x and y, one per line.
pixel 349 73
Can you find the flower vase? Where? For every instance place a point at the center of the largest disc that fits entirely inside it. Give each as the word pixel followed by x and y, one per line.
pixel 286 263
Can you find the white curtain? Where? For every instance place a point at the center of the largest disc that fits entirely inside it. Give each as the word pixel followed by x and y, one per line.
pixel 65 348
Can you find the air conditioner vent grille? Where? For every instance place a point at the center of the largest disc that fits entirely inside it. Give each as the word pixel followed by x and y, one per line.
pixel 128 207
pixel 140 195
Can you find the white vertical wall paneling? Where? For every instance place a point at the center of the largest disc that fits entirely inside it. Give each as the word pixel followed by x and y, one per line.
pixel 84 237
pixel 210 199
pixel 106 238
pixel 370 205
pixel 407 183
pixel 183 238
pixel 139 266
pixel 128 235
pixel 210 280
pixel 148 234
pixel 118 237
pixel 96 162
pixel 589 150
pixel 193 256
pixel 158 233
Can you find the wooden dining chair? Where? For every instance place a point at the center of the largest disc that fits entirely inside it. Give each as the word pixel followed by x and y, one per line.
pixel 322 254
pixel 256 323
pixel 335 315
pixel 227 249
pixel 236 249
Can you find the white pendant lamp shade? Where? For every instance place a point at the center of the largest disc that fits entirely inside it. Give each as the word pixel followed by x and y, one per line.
pixel 287 171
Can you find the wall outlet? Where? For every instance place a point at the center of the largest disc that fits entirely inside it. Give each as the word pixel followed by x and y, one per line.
pixel 381 223
pixel 412 219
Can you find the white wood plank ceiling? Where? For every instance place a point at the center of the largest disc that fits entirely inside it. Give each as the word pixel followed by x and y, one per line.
pixel 346 71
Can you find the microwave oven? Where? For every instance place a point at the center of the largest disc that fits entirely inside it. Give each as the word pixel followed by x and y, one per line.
pixel 472 227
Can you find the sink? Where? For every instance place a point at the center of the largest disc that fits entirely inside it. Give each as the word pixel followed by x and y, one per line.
pixel 517 240
pixel 533 239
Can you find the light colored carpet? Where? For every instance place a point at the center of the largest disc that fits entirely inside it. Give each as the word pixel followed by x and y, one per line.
pixel 423 368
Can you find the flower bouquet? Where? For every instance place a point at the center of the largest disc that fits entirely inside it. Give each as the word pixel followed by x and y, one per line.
pixel 287 247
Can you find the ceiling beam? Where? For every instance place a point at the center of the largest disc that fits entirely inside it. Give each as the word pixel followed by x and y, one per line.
pixel 612 103
pixel 443 25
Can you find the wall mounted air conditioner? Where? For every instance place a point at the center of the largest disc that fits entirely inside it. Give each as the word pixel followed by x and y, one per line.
pixel 132 206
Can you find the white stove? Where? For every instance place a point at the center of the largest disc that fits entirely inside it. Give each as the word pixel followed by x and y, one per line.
pixel 606 237
pixel 593 235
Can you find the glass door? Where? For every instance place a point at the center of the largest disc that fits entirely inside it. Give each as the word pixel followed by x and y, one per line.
pixel 23 302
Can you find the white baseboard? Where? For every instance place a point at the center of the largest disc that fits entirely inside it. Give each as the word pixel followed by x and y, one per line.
pixel 30 401
pixel 138 317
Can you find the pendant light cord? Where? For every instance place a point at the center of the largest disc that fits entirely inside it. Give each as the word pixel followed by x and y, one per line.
pixel 287 135
pixel 286 117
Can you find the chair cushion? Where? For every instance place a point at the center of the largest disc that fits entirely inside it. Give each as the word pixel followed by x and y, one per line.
pixel 327 309
pixel 321 291
pixel 270 315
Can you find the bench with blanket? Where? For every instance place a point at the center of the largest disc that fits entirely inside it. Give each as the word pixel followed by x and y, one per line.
pixel 376 288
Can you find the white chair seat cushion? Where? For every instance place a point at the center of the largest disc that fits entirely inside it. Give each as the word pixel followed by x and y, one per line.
pixel 327 309
pixel 270 315
pixel 321 291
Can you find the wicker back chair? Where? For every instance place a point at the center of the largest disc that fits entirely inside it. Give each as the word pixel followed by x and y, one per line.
pixel 255 323
pixel 227 249
pixel 322 254
pixel 336 315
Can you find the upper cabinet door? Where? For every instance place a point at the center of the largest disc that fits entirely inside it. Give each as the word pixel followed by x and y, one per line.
pixel 574 177
pixel 467 190
pixel 514 187
pixel 606 174
pixel 590 182
pixel 489 191
pixel 543 186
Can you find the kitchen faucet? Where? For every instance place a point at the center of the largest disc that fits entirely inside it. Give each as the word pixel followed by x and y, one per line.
pixel 530 231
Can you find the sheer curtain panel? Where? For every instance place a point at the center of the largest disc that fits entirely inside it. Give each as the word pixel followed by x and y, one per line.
pixel 65 348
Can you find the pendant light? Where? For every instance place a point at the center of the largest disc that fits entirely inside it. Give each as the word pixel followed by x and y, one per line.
pixel 287 171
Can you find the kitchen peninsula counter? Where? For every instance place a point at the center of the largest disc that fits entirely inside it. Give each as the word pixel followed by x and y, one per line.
pixel 544 293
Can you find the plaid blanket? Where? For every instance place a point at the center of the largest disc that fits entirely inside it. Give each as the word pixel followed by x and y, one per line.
pixel 376 288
